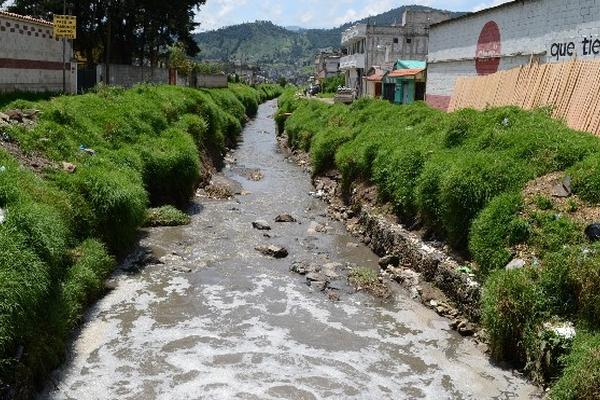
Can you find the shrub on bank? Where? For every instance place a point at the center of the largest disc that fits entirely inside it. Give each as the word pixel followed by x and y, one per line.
pixel 166 216
pixel 581 378
pixel 495 230
pixel 509 307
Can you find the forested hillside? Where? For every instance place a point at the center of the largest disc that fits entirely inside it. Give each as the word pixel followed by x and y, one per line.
pixel 275 47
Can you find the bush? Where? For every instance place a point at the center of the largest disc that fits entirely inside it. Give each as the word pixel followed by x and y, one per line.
pixel 586 179
pixel 581 379
pixel 24 284
pixel 171 168
pixel 44 231
pixel 323 148
pixel 497 228
pixel 396 173
pixel 166 216
pixel 85 280
pixel 509 305
pixel 585 274
pixel 469 185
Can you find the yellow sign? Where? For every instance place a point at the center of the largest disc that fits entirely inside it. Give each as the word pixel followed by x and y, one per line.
pixel 65 27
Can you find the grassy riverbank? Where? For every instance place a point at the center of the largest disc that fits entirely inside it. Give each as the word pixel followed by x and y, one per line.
pixel 476 180
pixel 131 149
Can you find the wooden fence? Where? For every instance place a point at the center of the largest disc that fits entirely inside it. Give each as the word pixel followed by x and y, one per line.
pixel 571 89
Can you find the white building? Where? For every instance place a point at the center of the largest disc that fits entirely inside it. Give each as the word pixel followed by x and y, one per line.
pixel 509 35
pixel 30 57
pixel 366 45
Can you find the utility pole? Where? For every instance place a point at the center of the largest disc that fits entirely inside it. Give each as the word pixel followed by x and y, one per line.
pixel 64 55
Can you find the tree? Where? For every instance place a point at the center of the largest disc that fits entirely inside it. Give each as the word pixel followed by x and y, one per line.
pixel 139 31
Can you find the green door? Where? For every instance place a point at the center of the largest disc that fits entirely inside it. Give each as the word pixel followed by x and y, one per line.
pixel 399 92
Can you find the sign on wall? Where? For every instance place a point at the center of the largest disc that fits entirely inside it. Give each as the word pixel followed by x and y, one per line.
pixel 489 46
pixel 588 46
pixel 65 27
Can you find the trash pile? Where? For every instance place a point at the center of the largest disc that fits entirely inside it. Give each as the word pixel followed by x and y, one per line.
pixel 25 118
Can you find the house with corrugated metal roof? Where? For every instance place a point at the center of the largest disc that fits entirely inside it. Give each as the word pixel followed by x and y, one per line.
pixel 405 84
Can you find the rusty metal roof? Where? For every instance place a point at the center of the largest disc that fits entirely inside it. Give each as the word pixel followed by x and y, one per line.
pixel 25 18
pixel 405 72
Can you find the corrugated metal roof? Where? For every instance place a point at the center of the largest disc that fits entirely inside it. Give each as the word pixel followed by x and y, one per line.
pixel 25 18
pixel 398 73
pixel 377 75
pixel 409 64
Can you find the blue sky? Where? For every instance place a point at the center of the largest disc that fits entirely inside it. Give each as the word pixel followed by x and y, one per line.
pixel 314 13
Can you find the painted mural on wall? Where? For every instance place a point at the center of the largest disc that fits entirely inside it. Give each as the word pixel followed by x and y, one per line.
pixel 489 46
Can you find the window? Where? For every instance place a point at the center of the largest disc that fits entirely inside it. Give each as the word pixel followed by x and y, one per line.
pixel 409 40
pixel 395 40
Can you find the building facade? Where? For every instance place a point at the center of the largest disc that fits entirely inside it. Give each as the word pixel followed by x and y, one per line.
pixel 367 45
pixel 30 57
pixel 327 65
pixel 508 36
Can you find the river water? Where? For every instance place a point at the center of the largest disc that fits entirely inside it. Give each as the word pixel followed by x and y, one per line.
pixel 220 321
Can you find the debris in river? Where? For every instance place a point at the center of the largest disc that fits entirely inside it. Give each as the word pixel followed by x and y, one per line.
pixel 68 167
pixel 273 251
pixel 593 232
pixel 87 150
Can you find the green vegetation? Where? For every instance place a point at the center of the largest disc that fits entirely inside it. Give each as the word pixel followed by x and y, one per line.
pixel 166 216
pixel 330 85
pixel 63 230
pixel 581 377
pixel 461 176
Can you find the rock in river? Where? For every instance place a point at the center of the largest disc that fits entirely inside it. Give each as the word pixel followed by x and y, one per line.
pixel 261 225
pixel 388 260
pixel 285 218
pixel 273 251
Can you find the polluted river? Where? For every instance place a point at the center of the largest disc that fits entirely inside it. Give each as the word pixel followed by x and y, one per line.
pixel 213 318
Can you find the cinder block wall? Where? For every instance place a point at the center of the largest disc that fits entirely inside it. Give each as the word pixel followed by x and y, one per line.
pixel 546 30
pixel 130 75
pixel 30 58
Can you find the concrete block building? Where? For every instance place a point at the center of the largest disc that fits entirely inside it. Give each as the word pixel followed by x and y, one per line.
pixel 30 57
pixel 327 65
pixel 368 45
pixel 507 36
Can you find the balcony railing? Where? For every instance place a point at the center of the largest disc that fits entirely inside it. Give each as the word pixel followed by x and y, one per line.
pixel 354 33
pixel 353 61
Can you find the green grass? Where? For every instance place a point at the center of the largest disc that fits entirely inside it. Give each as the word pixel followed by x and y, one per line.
pixel 461 175
pixel 581 379
pixel 64 230
pixel 166 216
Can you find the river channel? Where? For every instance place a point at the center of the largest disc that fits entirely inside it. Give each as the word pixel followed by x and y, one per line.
pixel 218 320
